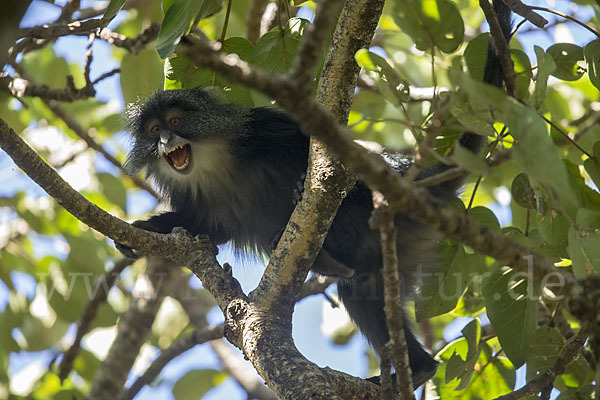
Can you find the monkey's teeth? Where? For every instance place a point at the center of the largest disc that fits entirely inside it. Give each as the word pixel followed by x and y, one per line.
pixel 179 157
pixel 182 167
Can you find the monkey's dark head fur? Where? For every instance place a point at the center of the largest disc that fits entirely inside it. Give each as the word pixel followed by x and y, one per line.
pixel 181 133
pixel 230 169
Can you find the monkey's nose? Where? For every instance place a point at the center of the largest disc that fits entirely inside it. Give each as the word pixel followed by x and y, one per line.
pixel 165 137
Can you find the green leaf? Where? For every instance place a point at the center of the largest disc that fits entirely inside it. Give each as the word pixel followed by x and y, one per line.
pixel 194 384
pixel 545 343
pixel 592 165
pixel 463 368
pixel 187 75
pixel 275 51
pixel 113 8
pixel 87 253
pixel 476 55
pixel 440 292
pixel 584 250
pixel 86 364
pixel 391 85
pixel 240 46
pixel 114 190
pixel 524 72
pixel 553 227
pixel 536 154
pixel 522 192
pixel 46 67
pixel 430 23
pixel 511 307
pixel 40 337
pixel 68 394
pixel 178 18
pixel 534 151
pixel 495 375
pixel 566 56
pixel 469 160
pixel 485 217
pixel 546 66
pixel 591 53
pixel 141 75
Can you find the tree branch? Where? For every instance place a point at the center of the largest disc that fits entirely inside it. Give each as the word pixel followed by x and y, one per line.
pixel 20 87
pixel 384 220
pixel 52 31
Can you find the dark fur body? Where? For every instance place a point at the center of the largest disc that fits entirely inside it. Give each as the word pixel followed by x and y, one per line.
pixel 239 187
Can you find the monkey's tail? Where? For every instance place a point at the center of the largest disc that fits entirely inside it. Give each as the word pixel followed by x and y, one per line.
pixel 492 75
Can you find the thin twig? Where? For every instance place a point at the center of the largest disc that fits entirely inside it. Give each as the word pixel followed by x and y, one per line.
pixel 226 22
pixel 566 135
pixel 385 368
pixel 21 87
pixel 106 75
pixel 566 16
pixel 384 220
pixel 89 57
pixel 52 31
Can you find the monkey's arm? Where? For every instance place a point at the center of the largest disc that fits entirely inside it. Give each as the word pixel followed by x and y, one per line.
pixel 160 223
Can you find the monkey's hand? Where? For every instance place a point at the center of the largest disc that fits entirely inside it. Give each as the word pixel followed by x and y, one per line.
pixel 129 252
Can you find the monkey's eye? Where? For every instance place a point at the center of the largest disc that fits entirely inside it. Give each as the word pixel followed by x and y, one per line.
pixel 155 128
pixel 174 121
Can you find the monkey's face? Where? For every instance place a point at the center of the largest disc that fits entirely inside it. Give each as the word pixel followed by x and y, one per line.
pixel 174 149
pixel 183 138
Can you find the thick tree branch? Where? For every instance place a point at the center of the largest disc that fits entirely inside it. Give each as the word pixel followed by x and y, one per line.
pixel 241 371
pixel 196 306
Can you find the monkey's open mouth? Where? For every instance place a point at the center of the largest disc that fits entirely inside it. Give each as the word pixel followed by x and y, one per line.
pixel 179 158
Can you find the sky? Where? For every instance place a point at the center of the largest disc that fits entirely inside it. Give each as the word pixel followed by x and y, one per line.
pixel 308 317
